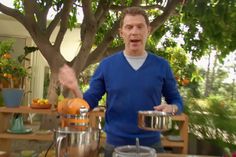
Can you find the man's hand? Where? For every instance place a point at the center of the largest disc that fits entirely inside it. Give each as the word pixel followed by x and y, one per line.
pixel 171 108
pixel 68 79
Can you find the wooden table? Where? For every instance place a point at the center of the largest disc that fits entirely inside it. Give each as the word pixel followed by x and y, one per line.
pixel 181 155
pixel 7 138
pixel 182 120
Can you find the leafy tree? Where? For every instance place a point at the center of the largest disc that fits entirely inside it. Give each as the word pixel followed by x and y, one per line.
pixel 99 28
pixel 209 23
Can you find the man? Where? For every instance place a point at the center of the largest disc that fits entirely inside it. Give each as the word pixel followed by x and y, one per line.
pixel 134 80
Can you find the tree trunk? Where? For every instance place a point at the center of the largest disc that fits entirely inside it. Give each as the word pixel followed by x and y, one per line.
pixel 53 85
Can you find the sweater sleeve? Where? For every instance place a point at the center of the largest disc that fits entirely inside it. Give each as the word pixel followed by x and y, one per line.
pixel 170 90
pixel 96 88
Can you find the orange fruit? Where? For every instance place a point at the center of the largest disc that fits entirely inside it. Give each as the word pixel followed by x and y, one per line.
pixel 185 82
pixel 7 55
pixel 5 75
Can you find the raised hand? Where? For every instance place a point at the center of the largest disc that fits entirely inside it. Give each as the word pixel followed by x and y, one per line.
pixel 68 79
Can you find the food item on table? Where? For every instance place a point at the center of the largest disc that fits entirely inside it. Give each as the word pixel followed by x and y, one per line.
pixel 40 101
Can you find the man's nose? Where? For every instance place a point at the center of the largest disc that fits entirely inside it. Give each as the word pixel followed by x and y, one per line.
pixel 134 30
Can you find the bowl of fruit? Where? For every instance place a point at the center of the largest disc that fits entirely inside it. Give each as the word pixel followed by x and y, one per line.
pixel 40 103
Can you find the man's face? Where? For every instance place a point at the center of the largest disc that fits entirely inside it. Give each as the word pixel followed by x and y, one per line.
pixel 134 33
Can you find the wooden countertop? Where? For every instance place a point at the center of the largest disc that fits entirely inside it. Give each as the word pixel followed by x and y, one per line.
pixel 26 109
pixel 181 155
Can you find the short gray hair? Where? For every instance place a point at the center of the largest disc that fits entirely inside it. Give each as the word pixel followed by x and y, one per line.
pixel 133 11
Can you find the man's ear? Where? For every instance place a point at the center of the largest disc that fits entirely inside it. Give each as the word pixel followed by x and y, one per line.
pixel 120 32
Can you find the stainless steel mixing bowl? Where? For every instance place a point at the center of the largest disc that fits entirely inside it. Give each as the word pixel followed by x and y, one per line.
pixel 154 120
pixel 134 151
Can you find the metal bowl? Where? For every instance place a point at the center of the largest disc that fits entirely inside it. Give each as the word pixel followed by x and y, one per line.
pixel 73 143
pixel 154 120
pixel 134 151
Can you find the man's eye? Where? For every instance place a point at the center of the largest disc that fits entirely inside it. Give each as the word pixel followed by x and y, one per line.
pixel 140 27
pixel 129 27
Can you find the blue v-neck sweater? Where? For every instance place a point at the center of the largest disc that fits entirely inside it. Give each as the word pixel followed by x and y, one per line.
pixel 129 91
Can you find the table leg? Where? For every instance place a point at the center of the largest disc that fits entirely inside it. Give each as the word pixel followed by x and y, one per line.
pixel 5 144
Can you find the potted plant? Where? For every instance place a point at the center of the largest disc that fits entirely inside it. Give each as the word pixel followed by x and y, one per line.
pixel 12 75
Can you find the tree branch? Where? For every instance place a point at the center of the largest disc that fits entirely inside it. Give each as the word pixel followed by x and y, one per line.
pixel 102 47
pixel 53 24
pixel 42 13
pixel 28 7
pixel 81 58
pixel 102 10
pixel 147 7
pixel 158 21
pixel 88 13
pixel 136 2
pixel 36 7
pixel 64 23
pixel 94 59
pixel 89 23
pixel 15 14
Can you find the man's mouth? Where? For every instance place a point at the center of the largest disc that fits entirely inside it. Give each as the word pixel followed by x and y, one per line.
pixel 135 40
